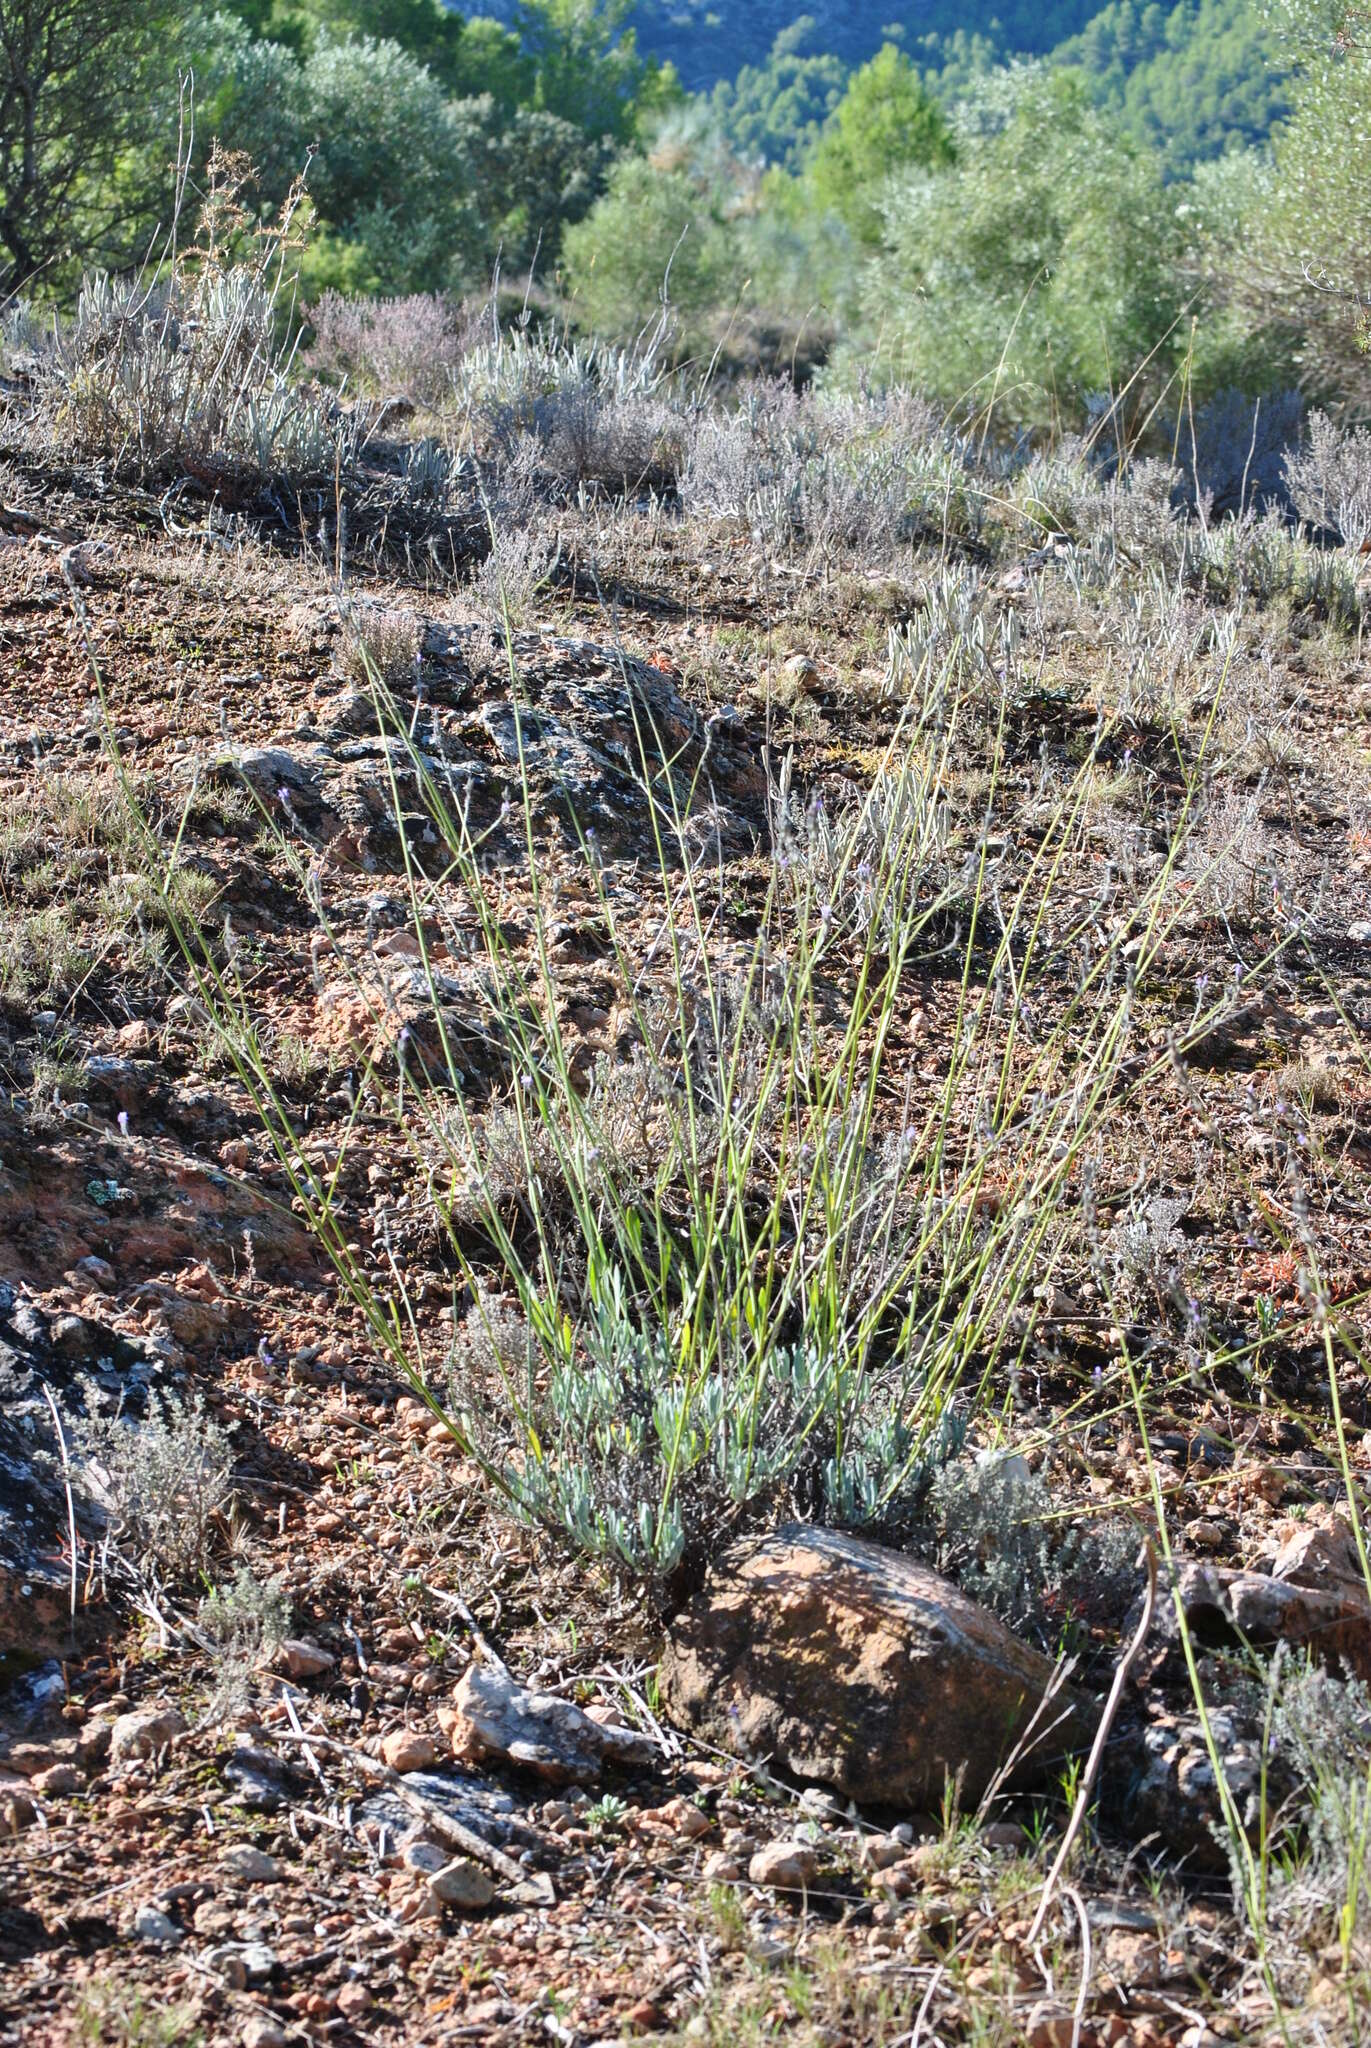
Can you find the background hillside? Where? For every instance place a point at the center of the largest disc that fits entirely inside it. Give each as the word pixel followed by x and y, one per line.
pixel 1030 210
pixel 707 42
pixel 1190 79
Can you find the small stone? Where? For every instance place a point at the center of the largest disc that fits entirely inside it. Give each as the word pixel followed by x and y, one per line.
pixel 187 1010
pixel 1204 1534
pixel 155 1929
pixel 261 2032
pixel 134 1037
pixel 423 1856
pixel 92 1744
pixel 1134 1958
pixel 73 1337
pixel 95 1272
pixel 30 1758
pixel 413 1898
pixel 1360 933
pixel 143 1733
pixel 819 1801
pixel 1332 1617
pixel 463 1884
pixel 248 1864
pixel 17 1812
pixel 215 1919
pixel 300 1658
pixel 59 1782
pixel 721 1868
pixel 645 2017
pixel 226 1963
pixel 259 1778
pixel 1049 2026
pixel 684 1817
pixel 258 1960
pixel 878 1852
pixel 353 2000
pixel 408 1749
pixel 926 1859
pixel 784 1866
pixel 542 1732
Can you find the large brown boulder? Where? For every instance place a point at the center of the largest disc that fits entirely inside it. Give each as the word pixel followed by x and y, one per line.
pixel 857 1667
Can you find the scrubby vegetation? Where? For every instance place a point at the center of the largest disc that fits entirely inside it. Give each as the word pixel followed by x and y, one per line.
pixel 953 215
pixel 686 850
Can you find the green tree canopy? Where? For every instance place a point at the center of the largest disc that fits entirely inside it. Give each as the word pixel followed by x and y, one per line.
pixel 76 80
pixel 886 121
pixel 467 58
pixel 1042 269
pixel 1294 256
pixel 1194 80
pixel 652 230
pixel 584 65
pixel 775 110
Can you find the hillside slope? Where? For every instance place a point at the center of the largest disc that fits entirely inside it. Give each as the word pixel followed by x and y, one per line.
pixel 707 43
pixel 1191 80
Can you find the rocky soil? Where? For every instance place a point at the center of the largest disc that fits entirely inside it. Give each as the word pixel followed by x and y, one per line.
pixel 465 1799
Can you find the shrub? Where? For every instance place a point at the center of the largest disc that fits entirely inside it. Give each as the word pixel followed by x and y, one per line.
pixel 736 1287
pixel 1041 270
pixel 400 166
pixel 408 345
pixel 518 566
pixel 584 414
pixel 1330 480
pixel 243 1622
pixel 1072 491
pixel 1320 1879
pixel 1228 859
pixel 994 1529
pixel 1294 262
pixel 651 240
pixel 187 373
pixel 833 471
pixel 1258 557
pixel 546 171
pixel 161 1485
pixel 378 643
pixel 859 868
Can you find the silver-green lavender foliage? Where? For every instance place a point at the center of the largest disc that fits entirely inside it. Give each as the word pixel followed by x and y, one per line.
pixel 1321 1739
pixel 635 1461
pixel 160 1485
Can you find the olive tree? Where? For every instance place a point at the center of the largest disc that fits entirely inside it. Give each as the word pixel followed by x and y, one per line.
pixel 1040 272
